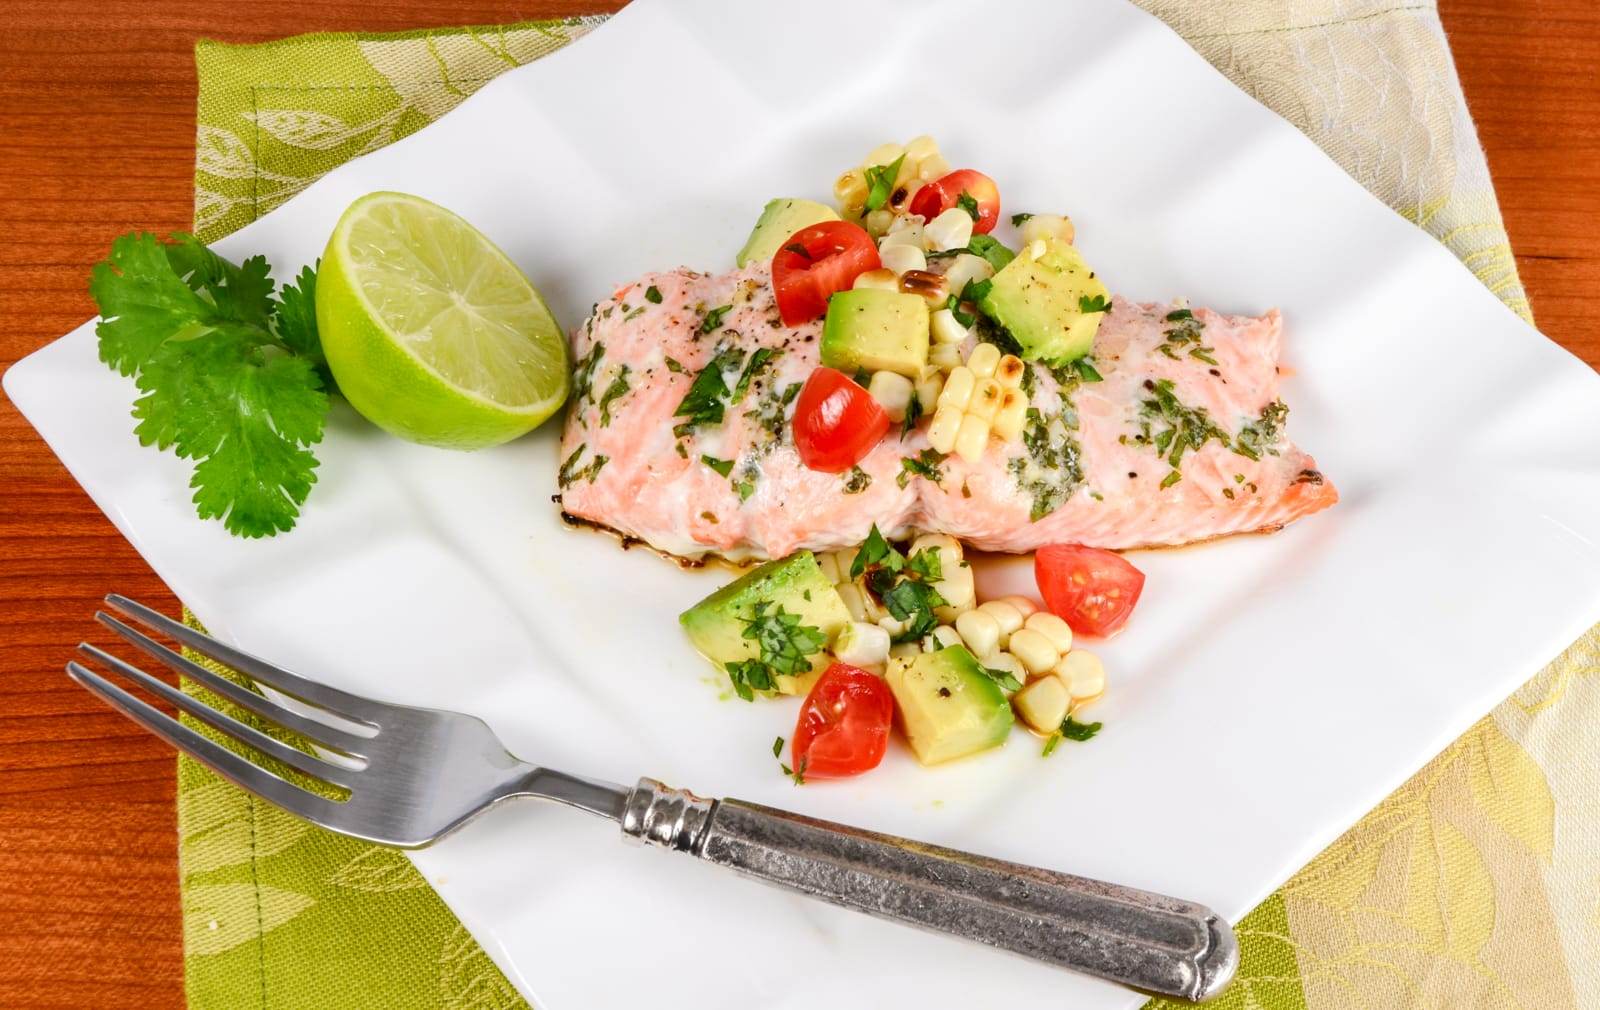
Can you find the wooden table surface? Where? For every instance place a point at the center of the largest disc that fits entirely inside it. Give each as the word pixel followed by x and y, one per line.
pixel 96 138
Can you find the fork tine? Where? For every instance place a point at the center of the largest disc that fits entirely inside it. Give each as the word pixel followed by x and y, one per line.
pixel 213 755
pixel 350 706
pixel 318 732
pixel 299 760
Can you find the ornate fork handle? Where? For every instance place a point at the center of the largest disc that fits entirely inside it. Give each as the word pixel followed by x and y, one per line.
pixel 1136 938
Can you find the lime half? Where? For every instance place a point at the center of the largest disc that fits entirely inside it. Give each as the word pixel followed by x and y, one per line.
pixel 431 331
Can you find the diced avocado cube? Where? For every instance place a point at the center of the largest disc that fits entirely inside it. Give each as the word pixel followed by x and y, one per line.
pixel 716 624
pixel 949 707
pixel 1040 301
pixel 779 220
pixel 872 330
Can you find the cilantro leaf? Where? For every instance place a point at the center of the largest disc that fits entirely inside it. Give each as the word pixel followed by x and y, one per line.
pixel 913 415
pixel 777 747
pixel 923 464
pixel 749 676
pixel 722 466
pixel 785 646
pixel 913 601
pixel 991 249
pixel 758 361
pixel 703 403
pixel 713 318
pixel 1003 678
pixel 875 550
pixel 880 182
pixel 652 294
pixel 1094 303
pixel 1074 730
pixel 925 563
pixel 1086 370
pixel 1018 219
pixel 229 376
pixel 617 390
pixel 968 204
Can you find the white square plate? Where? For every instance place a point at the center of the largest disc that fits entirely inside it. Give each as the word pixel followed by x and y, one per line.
pixel 1270 690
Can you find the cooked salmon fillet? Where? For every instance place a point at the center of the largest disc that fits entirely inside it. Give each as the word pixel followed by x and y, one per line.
pixel 1181 439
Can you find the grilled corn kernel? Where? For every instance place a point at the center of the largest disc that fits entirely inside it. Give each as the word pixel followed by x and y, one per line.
pixel 861 644
pixel 945 328
pixel 1083 673
pixel 972 438
pixel 946 357
pixel 1043 704
pixel 983 360
pixel 958 389
pixel 901 258
pixel 965 268
pixel 884 154
pixel 893 392
pixel 919 148
pixel 1008 372
pixel 904 231
pixel 944 635
pixel 942 432
pixel 850 189
pixel 1052 627
pixel 830 567
pixel 1026 607
pixel 852 601
pixel 928 389
pixel 1047 226
pixel 949 547
pixel 843 558
pixel 980 631
pixel 1034 650
pixel 956 583
pixel 883 280
pixel 893 625
pixel 932 167
pixel 1013 412
pixel 1009 618
pixel 930 287
pixel 901 195
pixel 985 401
pixel 950 230
pixel 877 221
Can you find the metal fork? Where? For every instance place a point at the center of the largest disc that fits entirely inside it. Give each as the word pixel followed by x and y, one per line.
pixel 413 775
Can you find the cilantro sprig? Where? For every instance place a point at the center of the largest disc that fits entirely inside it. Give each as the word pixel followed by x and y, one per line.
pixel 905 586
pixel 785 647
pixel 230 376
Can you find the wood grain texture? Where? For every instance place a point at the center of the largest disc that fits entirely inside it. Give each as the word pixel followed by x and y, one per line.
pixel 96 138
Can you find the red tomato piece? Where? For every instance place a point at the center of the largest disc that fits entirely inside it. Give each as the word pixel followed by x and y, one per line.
pixel 836 422
pixel 945 192
pixel 817 261
pixel 1093 590
pixel 844 724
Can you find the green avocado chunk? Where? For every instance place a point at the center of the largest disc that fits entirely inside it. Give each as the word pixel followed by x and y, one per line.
pixel 949 707
pixel 872 330
pixel 779 220
pixel 717 623
pixel 1041 301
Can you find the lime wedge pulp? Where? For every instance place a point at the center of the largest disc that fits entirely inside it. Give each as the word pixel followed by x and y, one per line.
pixel 431 331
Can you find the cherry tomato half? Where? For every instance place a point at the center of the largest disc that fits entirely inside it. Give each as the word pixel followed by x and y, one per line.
pixel 844 724
pixel 1094 591
pixel 817 261
pixel 836 422
pixel 945 192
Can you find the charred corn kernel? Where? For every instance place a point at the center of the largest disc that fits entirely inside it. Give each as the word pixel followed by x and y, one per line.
pixel 950 230
pixel 1008 372
pixel 1047 226
pixel 901 258
pixel 1034 650
pixel 944 636
pixel 983 360
pixel 1052 627
pixel 903 193
pixel 1008 617
pixel 928 389
pixel 942 432
pixel 964 269
pixel 830 567
pixel 958 389
pixel 1083 673
pixel 905 650
pixel 1007 662
pixel 945 328
pixel 883 280
pixel 861 644
pixel 928 286
pixel 1043 704
pixel 919 148
pixel 945 357
pixel 893 392
pixel 1026 607
pixel 932 167
pixel 1013 412
pixel 980 631
pixel 972 438
pixel 877 221
pixel 985 401
pixel 852 601
pixel 850 189
pixel 956 583
pixel 884 154
pixel 904 231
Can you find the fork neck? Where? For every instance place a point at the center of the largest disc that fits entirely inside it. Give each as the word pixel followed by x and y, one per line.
pixel 597 797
